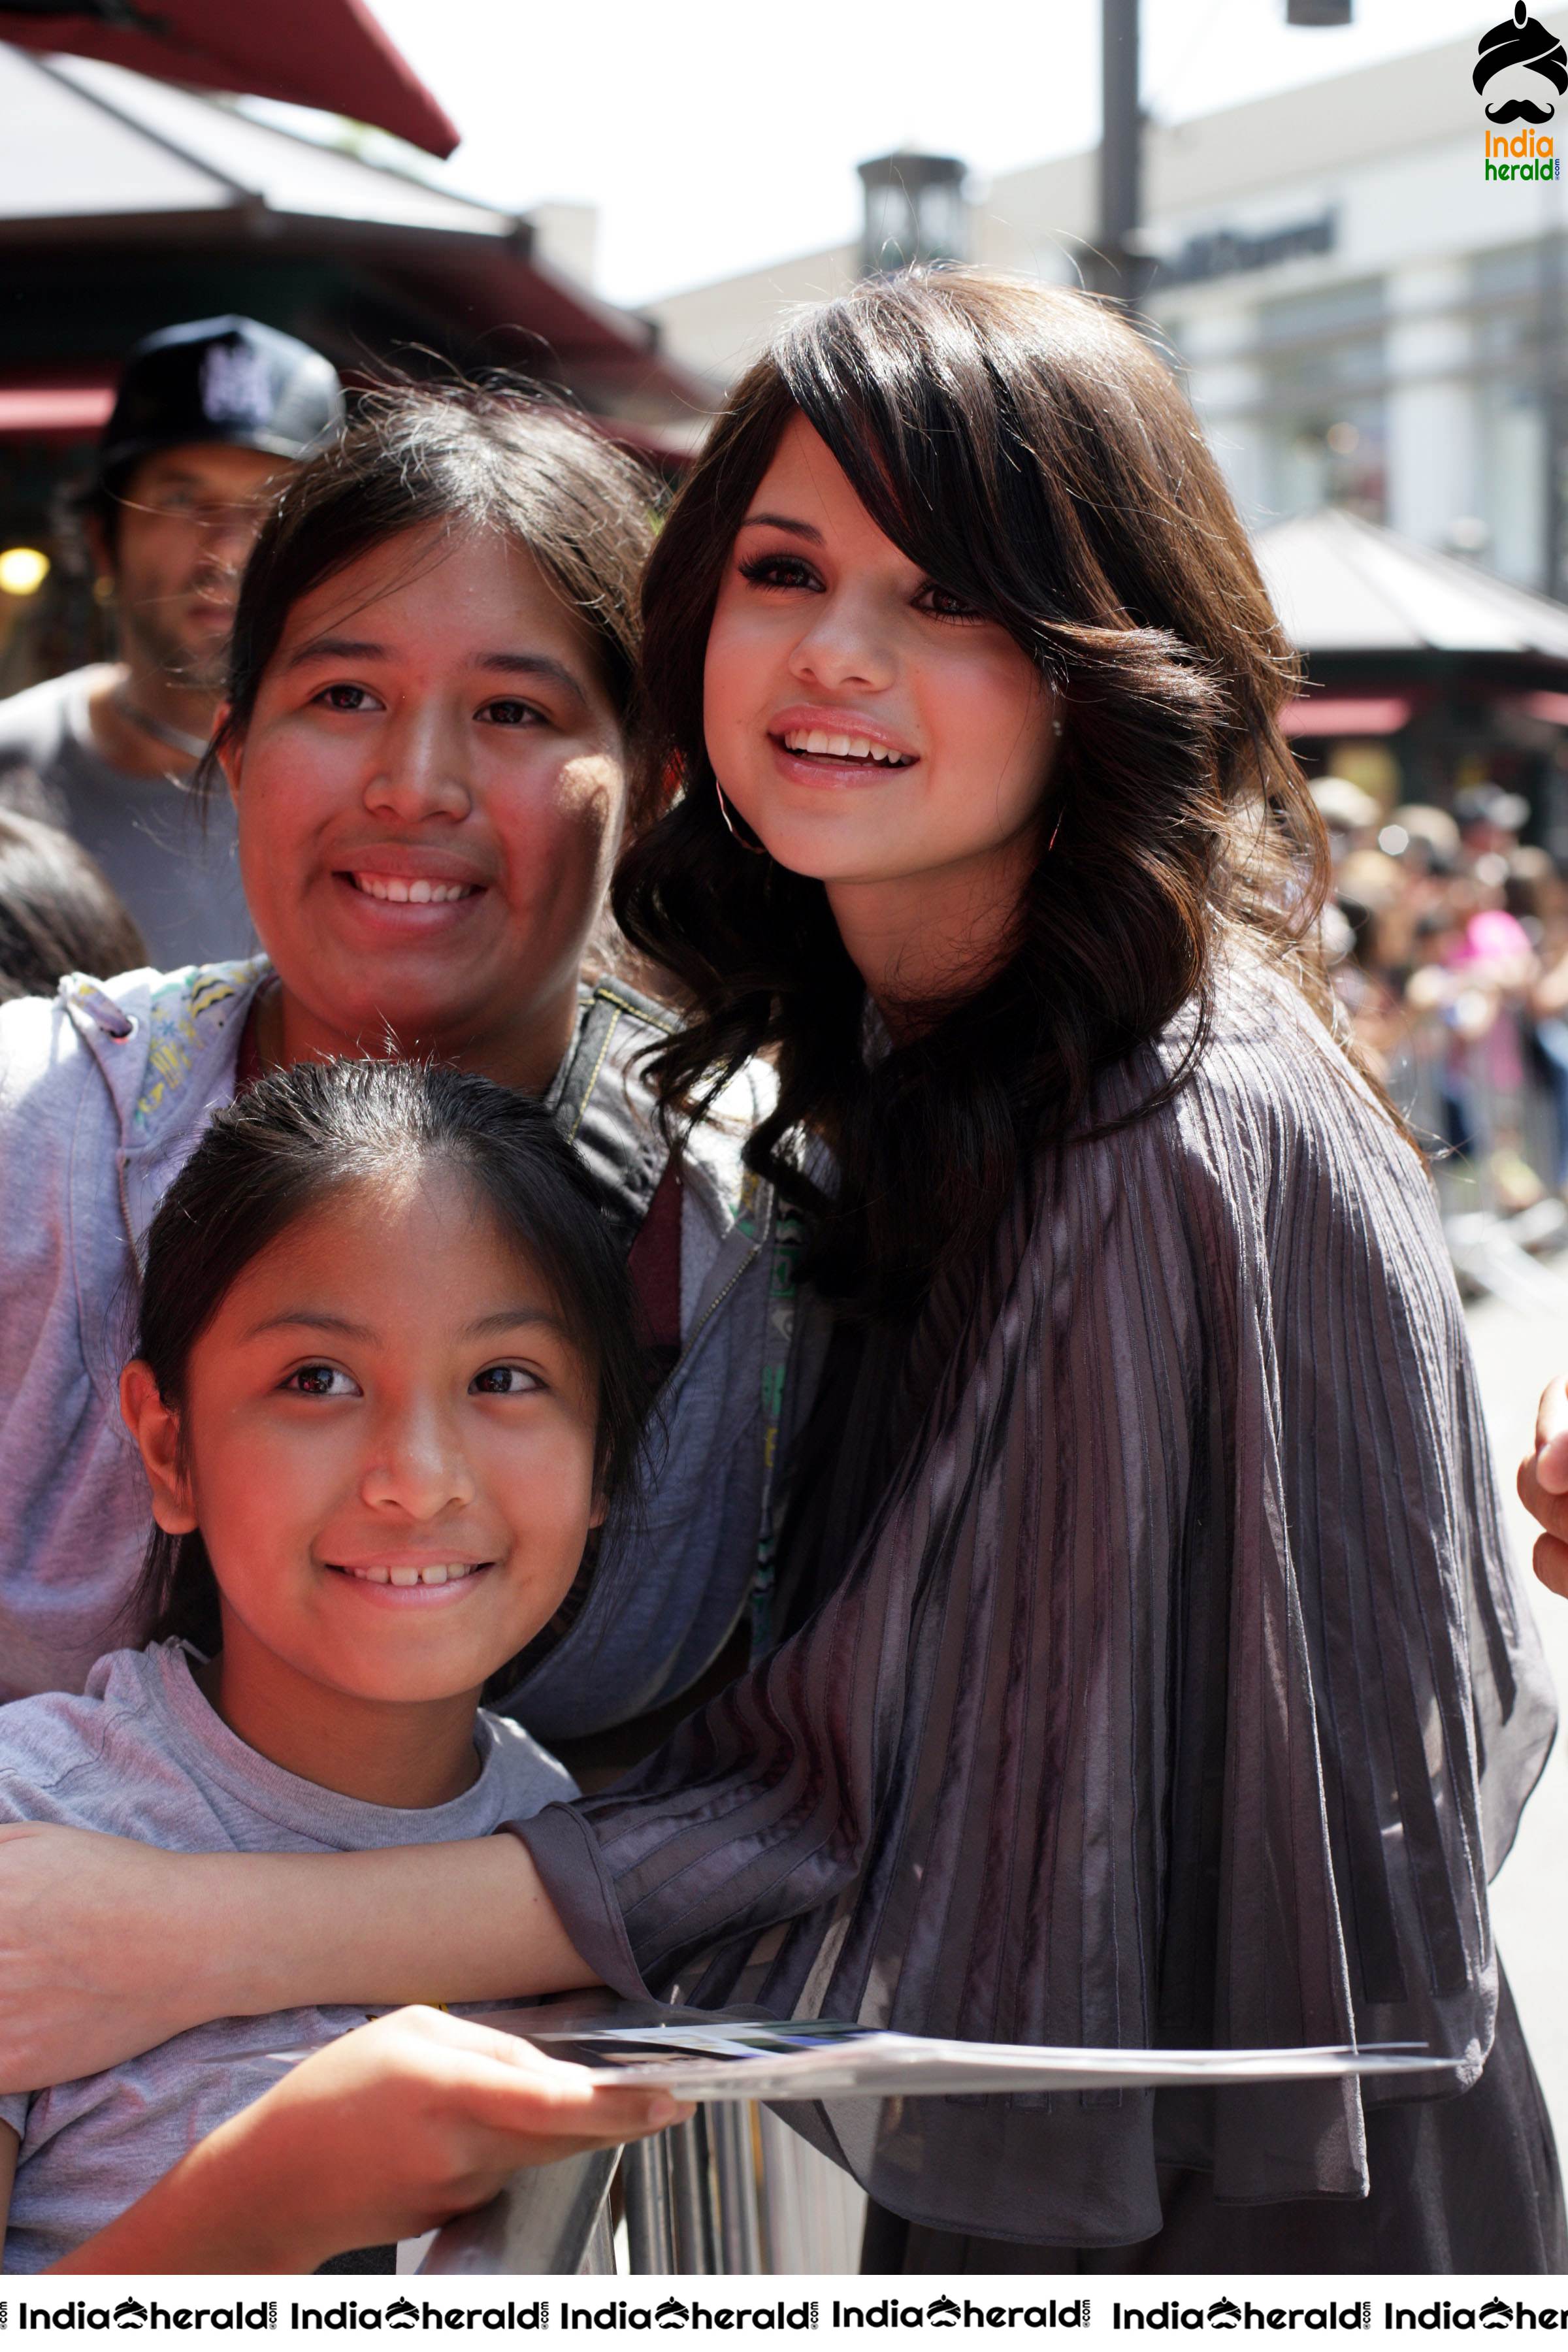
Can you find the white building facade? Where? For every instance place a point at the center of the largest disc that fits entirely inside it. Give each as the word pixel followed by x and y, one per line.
pixel 1362 314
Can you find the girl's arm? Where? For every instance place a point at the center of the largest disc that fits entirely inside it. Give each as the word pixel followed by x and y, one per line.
pixel 107 1947
pixel 382 2135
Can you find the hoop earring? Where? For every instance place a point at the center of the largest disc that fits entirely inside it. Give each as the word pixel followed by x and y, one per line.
pixel 752 848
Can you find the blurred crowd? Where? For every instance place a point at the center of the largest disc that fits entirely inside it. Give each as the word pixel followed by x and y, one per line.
pixel 1448 941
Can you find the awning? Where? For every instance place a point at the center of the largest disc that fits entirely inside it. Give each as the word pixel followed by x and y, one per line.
pixel 1343 585
pixel 50 410
pixel 1345 714
pixel 120 181
pixel 324 53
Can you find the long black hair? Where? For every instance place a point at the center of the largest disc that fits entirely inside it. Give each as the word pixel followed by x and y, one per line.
pixel 285 1146
pixel 1033 454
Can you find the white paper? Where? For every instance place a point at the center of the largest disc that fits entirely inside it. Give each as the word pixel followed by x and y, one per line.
pixel 800 2059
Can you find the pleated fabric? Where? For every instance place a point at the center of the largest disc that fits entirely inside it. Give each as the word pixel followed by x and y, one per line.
pixel 1180 1690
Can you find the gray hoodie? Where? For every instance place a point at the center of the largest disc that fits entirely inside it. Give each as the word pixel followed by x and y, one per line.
pixel 104 1090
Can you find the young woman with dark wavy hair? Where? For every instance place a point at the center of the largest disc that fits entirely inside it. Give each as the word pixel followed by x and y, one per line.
pixel 1147 1666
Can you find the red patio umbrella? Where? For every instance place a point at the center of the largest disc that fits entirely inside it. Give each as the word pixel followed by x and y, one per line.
pixel 325 53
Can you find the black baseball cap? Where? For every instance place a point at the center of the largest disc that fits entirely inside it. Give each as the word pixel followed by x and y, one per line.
pixel 229 379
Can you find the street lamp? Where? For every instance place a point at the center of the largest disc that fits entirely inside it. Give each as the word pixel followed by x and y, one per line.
pixel 1116 264
pixel 915 211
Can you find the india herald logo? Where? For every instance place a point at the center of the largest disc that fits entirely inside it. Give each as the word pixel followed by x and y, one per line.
pixel 1515 58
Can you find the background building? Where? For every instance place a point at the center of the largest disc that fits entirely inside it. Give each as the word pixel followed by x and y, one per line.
pixel 1360 317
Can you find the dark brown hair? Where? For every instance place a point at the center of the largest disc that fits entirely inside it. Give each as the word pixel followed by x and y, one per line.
pixel 1033 454
pixel 58 912
pixel 495 456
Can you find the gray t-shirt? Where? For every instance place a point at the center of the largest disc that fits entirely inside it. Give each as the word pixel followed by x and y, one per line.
pixel 178 874
pixel 140 1754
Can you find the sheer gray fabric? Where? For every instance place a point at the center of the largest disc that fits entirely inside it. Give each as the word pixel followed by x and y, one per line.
pixel 1180 1690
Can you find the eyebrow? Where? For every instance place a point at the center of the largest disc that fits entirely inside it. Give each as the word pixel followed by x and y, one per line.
pixel 335 649
pixel 503 665
pixel 797 528
pixel 309 1318
pixel 531 665
pixel 513 1319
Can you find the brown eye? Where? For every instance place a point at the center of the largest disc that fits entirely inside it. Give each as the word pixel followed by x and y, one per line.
pixel 504 1379
pixel 509 712
pixel 779 572
pixel 945 604
pixel 319 1380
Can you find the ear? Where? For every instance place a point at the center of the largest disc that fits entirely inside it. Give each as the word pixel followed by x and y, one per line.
pixel 230 751
pixel 97 546
pixel 600 1512
pixel 153 1425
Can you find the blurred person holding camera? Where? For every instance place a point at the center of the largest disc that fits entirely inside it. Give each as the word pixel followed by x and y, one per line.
pixel 208 420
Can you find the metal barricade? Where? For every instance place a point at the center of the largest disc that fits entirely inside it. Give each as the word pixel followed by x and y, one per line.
pixel 812 2213
pixel 650 2217
pixel 735 2192
pixel 548 2220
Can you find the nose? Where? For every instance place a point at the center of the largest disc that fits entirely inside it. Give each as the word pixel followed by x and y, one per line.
pixel 228 534
pixel 417 1471
pixel 419 770
pixel 844 644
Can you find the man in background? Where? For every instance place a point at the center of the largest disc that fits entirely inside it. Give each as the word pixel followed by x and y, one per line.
pixel 208 421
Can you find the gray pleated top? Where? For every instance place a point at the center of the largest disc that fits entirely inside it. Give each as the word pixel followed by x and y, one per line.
pixel 1180 1690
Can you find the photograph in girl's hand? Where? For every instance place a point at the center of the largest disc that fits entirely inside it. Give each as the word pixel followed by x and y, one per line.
pixel 803 1351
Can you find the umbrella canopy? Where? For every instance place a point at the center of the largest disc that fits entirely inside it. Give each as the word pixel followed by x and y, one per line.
pixel 322 53
pixel 128 205
pixel 1342 585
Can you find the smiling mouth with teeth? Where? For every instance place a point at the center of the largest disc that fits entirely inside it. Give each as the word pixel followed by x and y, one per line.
pixel 451 1571
pixel 817 744
pixel 399 892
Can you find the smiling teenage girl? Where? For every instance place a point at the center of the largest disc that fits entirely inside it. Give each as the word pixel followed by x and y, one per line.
pixel 1179 1688
pixel 385 1382
pixel 432 670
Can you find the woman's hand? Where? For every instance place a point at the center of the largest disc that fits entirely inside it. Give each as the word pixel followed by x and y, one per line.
pixel 107 1947
pixel 1543 1486
pixel 382 2135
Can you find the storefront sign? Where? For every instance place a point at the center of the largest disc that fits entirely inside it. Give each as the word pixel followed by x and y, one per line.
pixel 1225 252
